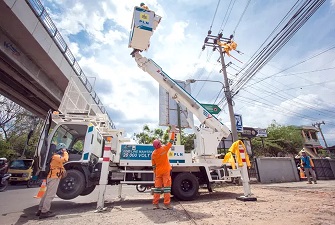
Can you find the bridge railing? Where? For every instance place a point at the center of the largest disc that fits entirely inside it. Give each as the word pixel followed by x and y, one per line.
pixel 49 25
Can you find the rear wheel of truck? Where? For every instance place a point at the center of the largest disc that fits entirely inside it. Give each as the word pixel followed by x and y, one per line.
pixel 185 186
pixel 87 190
pixel 72 185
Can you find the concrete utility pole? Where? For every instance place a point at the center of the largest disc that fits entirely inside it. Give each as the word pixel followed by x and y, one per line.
pixel 213 41
pixel 317 124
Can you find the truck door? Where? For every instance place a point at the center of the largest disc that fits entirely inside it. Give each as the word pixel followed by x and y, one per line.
pixel 43 146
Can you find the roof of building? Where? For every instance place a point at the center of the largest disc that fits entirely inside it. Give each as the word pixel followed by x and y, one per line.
pixel 309 128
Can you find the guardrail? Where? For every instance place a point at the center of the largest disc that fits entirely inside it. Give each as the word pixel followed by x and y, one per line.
pixel 48 24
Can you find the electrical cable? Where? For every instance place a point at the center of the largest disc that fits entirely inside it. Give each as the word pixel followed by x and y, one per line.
pixel 245 9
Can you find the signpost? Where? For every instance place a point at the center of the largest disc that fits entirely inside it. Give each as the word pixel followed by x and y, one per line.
pixel 249 132
pixel 211 108
pixel 239 123
pixel 261 132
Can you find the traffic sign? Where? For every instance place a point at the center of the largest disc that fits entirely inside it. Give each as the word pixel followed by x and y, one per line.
pixel 211 108
pixel 261 132
pixel 249 132
pixel 239 123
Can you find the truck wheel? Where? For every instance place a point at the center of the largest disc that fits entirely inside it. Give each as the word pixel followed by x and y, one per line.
pixel 72 185
pixel 87 190
pixel 185 186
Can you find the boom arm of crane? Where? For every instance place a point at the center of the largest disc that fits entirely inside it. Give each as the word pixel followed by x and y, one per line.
pixel 212 130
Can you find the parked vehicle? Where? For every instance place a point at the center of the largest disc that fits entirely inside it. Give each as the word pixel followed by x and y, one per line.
pixel 4 181
pixel 21 170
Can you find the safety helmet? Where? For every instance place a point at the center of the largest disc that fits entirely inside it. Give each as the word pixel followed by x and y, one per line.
pixel 157 144
pixel 142 4
pixel 60 146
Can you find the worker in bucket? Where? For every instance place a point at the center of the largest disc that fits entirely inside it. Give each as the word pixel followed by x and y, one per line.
pixel 144 6
pixel 162 171
pixel 55 174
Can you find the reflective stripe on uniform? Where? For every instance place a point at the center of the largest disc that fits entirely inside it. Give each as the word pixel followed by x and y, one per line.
pixel 167 189
pixel 158 190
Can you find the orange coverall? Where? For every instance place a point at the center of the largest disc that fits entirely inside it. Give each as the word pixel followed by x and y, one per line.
pixel 162 169
pixel 56 165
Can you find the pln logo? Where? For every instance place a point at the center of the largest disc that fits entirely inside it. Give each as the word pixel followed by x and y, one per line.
pixel 144 18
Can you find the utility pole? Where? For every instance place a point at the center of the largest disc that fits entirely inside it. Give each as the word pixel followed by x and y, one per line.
pixel 213 41
pixel 317 124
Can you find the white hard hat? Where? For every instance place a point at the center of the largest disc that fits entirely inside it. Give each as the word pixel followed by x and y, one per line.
pixel 60 146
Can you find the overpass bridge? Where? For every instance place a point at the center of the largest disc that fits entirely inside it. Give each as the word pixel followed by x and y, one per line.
pixel 36 64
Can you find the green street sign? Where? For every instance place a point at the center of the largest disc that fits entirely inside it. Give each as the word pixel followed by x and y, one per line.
pixel 212 109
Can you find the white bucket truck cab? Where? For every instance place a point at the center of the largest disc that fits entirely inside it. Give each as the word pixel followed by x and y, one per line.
pixel 90 137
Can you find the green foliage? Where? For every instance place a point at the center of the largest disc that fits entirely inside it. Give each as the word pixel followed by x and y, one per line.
pixel 188 141
pixel 15 125
pixel 281 141
pixel 147 136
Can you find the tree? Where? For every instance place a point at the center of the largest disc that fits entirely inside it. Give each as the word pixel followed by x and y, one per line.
pixel 147 136
pixel 281 141
pixel 15 125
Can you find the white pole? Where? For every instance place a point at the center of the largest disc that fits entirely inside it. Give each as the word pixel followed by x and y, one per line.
pixel 103 179
pixel 245 177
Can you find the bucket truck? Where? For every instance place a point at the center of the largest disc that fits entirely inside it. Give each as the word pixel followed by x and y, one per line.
pixel 99 154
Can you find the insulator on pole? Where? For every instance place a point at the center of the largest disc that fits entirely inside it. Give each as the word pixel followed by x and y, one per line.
pixel 209 32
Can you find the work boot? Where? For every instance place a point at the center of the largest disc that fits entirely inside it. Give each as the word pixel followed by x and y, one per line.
pixel 47 215
pixel 38 213
pixel 155 206
pixel 167 207
pixel 309 182
pixel 315 182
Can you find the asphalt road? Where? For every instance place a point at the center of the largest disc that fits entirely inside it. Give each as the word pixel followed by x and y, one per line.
pixel 18 204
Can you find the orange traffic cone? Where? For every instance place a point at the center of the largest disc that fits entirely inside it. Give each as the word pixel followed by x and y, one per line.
pixel 42 190
pixel 302 174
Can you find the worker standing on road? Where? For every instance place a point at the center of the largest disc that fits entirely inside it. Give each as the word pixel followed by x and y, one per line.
pixel 308 165
pixel 162 170
pixel 56 172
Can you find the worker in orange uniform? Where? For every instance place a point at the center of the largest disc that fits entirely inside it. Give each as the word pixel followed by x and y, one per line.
pixel 144 6
pixel 162 169
pixel 56 172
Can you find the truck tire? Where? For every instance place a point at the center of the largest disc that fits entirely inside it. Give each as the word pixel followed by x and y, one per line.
pixel 185 186
pixel 72 185
pixel 87 190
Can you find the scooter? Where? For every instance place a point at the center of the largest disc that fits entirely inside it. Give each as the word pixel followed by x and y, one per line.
pixel 4 181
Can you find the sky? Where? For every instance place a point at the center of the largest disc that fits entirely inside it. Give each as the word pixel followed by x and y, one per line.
pixel 97 33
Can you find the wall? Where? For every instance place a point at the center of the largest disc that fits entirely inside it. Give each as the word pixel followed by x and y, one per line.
pixel 277 169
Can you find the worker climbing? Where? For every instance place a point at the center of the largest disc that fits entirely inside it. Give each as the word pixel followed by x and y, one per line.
pixel 162 169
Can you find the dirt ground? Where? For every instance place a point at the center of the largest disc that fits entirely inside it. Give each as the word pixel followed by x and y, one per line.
pixel 286 203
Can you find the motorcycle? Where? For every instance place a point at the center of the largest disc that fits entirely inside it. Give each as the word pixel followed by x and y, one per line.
pixel 143 187
pixel 4 181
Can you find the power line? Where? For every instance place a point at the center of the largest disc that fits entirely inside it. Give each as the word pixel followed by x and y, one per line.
pixel 286 33
pixel 238 23
pixel 217 6
pixel 290 67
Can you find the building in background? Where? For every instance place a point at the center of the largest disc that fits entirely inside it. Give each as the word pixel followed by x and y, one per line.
pixel 310 140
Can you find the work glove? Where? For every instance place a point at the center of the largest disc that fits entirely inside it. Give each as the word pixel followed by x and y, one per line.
pixel 173 128
pixel 313 168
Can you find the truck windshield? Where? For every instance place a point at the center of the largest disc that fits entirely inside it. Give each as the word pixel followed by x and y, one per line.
pixel 63 135
pixel 21 164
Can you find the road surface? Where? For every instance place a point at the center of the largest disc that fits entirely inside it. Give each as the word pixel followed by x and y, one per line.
pixel 18 204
